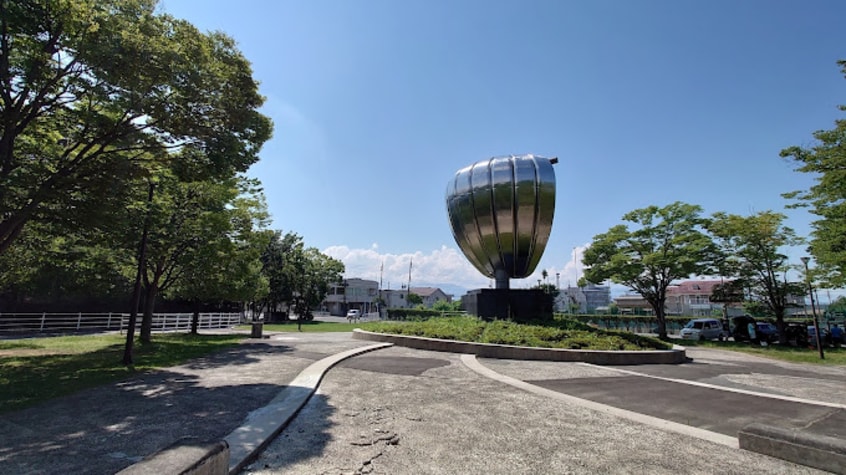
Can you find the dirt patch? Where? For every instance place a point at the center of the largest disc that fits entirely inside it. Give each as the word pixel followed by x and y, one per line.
pixel 24 352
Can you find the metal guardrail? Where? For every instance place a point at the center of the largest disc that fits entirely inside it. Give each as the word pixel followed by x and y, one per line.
pixel 24 323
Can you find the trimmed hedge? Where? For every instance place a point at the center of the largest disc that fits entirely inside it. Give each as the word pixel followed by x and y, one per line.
pixel 412 314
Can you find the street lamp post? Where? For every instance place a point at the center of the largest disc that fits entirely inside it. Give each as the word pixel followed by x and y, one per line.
pixel 813 307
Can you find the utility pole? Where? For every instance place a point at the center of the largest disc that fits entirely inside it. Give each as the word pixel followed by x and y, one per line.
pixel 381 301
pixel 408 289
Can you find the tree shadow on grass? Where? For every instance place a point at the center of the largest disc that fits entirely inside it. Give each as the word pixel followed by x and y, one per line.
pixel 28 380
pixel 105 429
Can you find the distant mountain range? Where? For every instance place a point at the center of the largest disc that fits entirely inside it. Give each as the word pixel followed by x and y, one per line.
pixel 457 291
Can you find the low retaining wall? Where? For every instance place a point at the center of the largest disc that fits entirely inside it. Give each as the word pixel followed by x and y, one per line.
pixel 183 458
pixel 804 448
pixel 486 350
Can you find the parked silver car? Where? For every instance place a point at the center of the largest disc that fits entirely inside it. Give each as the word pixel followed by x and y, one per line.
pixel 704 329
pixel 354 315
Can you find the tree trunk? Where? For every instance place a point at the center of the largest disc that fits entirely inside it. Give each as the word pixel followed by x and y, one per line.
pixel 133 313
pixel 658 308
pixel 136 290
pixel 149 305
pixel 782 334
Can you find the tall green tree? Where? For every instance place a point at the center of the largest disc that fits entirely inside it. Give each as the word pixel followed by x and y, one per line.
pixel 753 253
pixel 838 306
pixel 826 161
pixel 227 268
pixel 298 276
pixel 315 272
pixel 94 90
pixel 190 221
pixel 279 266
pixel 666 244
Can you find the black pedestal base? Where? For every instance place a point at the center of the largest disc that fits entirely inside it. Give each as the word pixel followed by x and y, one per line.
pixel 519 305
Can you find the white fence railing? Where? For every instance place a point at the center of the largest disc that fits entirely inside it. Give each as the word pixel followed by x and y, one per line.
pixel 24 323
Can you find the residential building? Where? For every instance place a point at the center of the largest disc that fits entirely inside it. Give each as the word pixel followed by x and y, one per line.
pixel 692 298
pixel 399 298
pixel 350 294
pixel 633 304
pixel 431 295
pixel 570 300
pixel 583 299
pixel 395 298
pixel 596 296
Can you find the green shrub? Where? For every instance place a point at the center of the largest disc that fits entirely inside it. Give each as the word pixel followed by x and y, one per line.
pixel 450 328
pixel 412 314
pixel 560 333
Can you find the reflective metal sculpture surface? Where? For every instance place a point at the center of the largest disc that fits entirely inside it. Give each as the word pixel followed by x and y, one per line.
pixel 501 213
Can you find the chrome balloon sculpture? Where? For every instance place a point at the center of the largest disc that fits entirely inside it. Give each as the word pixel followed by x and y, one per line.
pixel 501 212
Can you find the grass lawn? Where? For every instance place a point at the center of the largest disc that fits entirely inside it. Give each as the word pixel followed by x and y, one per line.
pixel 37 369
pixel 833 356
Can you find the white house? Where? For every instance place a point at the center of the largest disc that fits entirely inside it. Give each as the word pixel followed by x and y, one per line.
pixel 431 295
pixel 351 294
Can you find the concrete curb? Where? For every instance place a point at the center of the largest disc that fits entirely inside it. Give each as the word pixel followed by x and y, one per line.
pixel 486 350
pixel 264 424
pixel 183 458
pixel 797 446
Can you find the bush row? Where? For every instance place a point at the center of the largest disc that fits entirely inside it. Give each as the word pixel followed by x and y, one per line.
pixel 560 333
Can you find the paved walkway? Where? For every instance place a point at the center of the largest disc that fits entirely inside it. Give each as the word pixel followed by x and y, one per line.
pixel 399 410
pixel 105 429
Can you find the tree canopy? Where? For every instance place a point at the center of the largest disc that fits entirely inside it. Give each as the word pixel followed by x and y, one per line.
pixel 298 276
pixel 753 253
pixel 93 91
pixel 826 161
pixel 414 299
pixel 668 243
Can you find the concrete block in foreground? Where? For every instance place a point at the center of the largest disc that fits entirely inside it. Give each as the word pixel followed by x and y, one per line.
pixel 797 446
pixel 185 459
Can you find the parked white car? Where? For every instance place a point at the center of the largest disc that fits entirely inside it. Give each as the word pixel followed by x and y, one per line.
pixel 704 329
pixel 353 315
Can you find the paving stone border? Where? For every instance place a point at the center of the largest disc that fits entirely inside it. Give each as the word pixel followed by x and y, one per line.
pixel 487 350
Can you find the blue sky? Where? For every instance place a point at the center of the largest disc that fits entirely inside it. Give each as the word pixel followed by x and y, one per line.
pixel 377 104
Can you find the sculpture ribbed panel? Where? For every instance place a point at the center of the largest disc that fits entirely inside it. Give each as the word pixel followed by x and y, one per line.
pixel 501 213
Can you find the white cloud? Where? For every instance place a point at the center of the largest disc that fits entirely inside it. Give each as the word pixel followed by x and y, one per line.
pixel 441 266
pixel 447 266
pixel 444 266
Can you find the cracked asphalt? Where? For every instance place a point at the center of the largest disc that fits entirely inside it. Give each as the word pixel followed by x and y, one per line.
pixel 405 411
